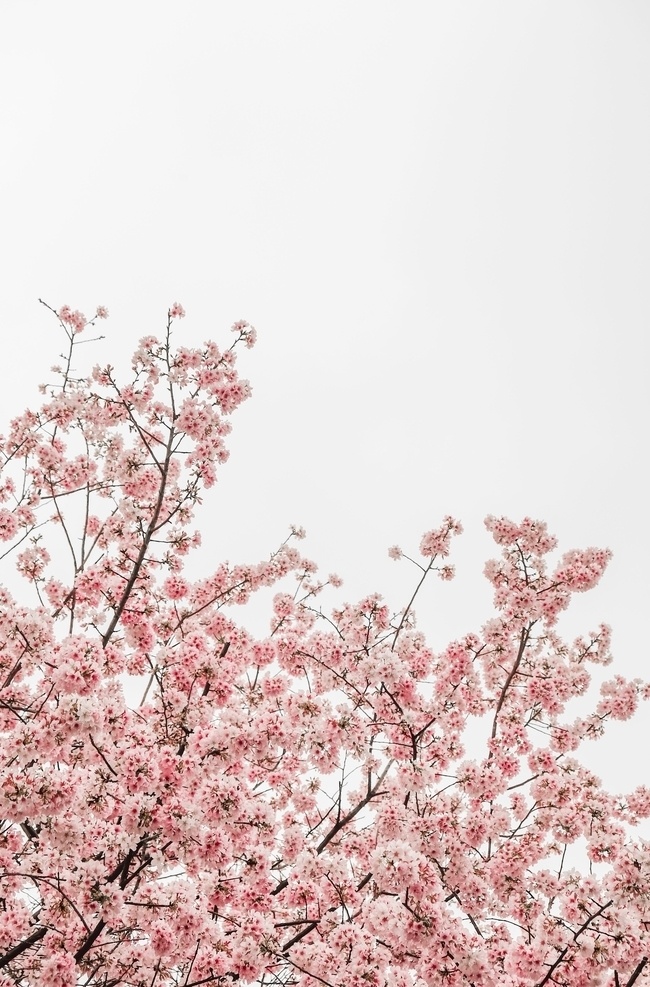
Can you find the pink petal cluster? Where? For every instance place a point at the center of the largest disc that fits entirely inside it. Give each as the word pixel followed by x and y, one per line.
pixel 301 808
pixel 76 320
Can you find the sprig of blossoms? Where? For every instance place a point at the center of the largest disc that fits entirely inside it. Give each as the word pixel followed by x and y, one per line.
pixel 76 320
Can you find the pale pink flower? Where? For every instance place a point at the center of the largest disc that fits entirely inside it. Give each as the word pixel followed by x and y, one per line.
pixel 8 525
pixel 175 588
pixel 76 320
pixel 58 970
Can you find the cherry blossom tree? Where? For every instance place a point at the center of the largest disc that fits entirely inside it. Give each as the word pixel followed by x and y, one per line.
pixel 299 809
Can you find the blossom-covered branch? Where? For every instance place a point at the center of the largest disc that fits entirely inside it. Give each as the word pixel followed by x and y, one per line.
pixel 296 809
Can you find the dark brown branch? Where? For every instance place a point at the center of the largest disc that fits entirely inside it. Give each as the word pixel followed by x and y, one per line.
pixel 22 946
pixel 523 641
pixel 310 924
pixel 344 820
pixel 101 754
pixel 137 565
pixel 90 941
pixel 637 972
pixel 576 936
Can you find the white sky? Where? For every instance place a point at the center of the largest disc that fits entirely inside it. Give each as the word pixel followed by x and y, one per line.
pixel 435 213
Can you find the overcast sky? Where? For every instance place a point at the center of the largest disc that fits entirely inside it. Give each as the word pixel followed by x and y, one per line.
pixel 435 213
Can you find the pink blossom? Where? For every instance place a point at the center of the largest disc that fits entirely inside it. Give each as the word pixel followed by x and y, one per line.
pixel 76 320
pixel 175 588
pixel 437 542
pixel 8 525
pixel 246 331
pixel 59 971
